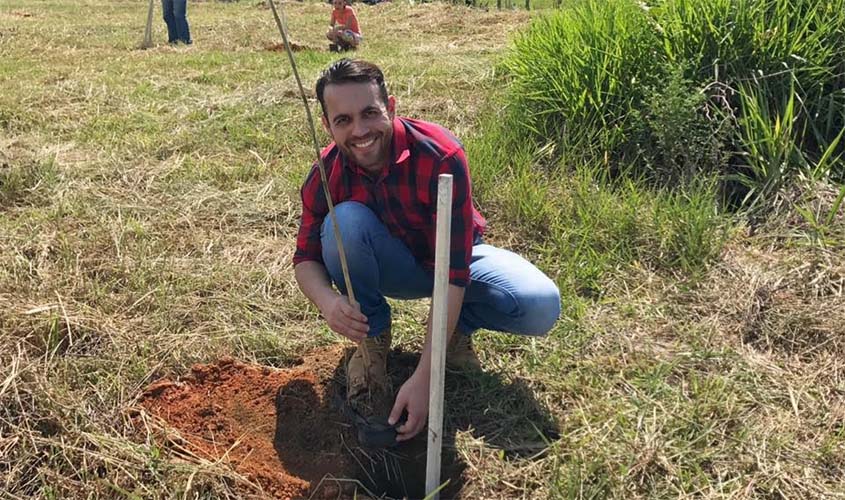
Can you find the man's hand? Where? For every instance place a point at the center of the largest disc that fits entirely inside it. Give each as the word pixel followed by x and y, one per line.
pixel 313 280
pixel 413 397
pixel 344 319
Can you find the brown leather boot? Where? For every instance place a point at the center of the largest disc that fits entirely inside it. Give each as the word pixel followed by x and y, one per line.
pixel 368 389
pixel 460 354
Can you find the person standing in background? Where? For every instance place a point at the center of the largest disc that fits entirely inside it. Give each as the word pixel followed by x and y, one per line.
pixel 175 16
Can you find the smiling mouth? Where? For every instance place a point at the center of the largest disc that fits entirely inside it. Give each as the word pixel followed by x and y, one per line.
pixel 364 144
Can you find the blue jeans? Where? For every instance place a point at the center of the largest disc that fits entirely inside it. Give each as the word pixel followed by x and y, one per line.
pixel 506 292
pixel 177 23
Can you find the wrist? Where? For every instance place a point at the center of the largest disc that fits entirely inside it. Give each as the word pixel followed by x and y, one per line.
pixel 423 372
pixel 324 300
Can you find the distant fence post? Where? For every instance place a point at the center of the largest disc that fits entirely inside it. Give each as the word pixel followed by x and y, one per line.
pixel 148 29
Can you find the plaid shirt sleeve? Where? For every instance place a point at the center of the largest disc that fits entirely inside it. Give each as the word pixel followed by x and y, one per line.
pixel 314 210
pixel 462 230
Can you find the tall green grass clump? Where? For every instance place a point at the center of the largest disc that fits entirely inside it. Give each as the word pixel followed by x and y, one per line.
pixel 751 90
pixel 26 182
pixel 773 67
pixel 578 73
pixel 786 43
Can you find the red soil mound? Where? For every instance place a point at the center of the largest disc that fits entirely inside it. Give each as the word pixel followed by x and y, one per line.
pixel 286 430
pixel 278 428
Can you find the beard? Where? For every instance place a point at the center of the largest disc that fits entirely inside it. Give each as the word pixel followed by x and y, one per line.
pixel 371 158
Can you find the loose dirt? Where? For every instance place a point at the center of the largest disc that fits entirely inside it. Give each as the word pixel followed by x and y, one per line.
pixel 294 47
pixel 285 429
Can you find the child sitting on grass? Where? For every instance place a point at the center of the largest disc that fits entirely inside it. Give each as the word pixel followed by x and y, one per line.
pixel 344 32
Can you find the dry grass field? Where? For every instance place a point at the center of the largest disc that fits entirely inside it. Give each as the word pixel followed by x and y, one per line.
pixel 148 209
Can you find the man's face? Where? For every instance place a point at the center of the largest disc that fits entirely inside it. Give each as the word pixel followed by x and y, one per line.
pixel 360 123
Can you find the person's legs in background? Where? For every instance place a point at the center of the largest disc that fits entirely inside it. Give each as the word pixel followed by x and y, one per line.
pixel 169 20
pixel 333 38
pixel 180 11
pixel 348 39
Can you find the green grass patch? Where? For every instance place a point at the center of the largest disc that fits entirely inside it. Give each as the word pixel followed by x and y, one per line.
pixel 750 90
pixel 27 182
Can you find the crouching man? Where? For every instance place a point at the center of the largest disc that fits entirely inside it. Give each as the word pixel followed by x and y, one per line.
pixel 382 174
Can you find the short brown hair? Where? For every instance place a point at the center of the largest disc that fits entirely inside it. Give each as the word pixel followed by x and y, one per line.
pixel 350 71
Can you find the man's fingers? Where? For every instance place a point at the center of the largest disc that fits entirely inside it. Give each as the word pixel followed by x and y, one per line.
pixel 353 313
pixel 363 325
pixel 355 336
pixel 409 429
pixel 349 323
pixel 355 331
pixel 349 330
pixel 396 412
pixel 356 327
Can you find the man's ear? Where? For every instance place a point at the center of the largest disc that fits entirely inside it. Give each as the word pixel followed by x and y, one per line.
pixel 391 106
pixel 325 122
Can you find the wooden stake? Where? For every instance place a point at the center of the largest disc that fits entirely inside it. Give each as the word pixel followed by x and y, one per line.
pixel 148 31
pixel 439 311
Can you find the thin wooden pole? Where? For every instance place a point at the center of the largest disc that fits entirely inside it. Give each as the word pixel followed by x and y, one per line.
pixel 439 311
pixel 343 266
pixel 148 30
pixel 350 293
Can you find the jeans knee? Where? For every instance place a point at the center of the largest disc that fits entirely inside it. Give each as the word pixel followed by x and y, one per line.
pixel 542 310
pixel 354 221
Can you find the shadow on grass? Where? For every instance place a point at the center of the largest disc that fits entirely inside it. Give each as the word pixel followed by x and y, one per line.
pixel 504 415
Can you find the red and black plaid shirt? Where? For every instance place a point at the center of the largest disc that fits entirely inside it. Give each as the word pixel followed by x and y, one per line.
pixel 404 195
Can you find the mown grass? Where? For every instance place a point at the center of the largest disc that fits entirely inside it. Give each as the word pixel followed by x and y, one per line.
pixel 148 204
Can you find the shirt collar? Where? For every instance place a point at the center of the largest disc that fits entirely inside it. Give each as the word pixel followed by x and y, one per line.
pixel 400 142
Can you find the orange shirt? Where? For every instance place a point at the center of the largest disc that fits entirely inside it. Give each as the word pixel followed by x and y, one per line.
pixel 346 17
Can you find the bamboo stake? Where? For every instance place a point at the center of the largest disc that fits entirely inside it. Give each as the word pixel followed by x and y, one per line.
pixel 350 293
pixel 148 31
pixel 439 311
